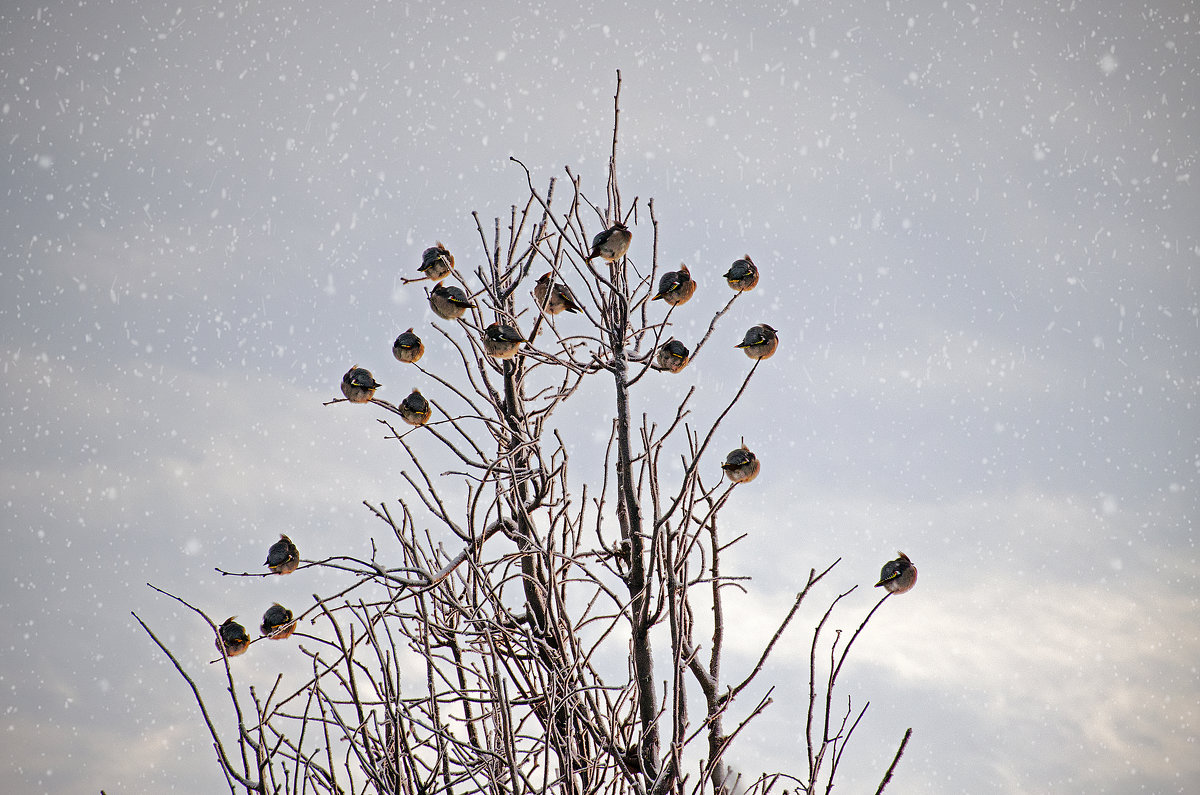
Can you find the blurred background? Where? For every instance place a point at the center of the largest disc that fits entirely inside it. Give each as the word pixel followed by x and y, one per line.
pixel 978 233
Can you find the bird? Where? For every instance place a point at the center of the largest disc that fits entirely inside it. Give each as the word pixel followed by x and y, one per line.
pixel 450 302
pixel 436 262
pixel 742 274
pixel 741 465
pixel 232 639
pixel 408 348
pixel 501 341
pixel 277 622
pixel 898 576
pixel 760 342
pixel 612 243
pixel 358 385
pixel 561 299
pixel 672 356
pixel 676 287
pixel 283 557
pixel 414 409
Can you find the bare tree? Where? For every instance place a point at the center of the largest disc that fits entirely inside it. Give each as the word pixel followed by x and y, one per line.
pixel 572 640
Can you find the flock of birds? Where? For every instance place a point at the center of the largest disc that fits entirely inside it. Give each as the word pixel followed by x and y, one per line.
pixel 502 341
pixel 278 622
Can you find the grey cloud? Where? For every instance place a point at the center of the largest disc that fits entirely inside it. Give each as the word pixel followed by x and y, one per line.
pixel 982 273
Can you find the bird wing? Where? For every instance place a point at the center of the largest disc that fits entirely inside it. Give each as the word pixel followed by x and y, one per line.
pixel 669 282
pixel 601 238
pixel 755 336
pixel 887 575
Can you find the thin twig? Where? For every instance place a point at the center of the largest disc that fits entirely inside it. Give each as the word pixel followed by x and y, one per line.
pixel 887 777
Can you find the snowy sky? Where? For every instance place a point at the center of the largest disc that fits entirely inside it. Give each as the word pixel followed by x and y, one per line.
pixel 978 231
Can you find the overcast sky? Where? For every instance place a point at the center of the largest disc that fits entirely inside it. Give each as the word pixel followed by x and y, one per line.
pixel 977 224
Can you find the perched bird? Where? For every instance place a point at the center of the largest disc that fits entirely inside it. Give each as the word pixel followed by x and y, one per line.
pixel 450 302
pixel 501 341
pixel 283 557
pixel 277 622
pixel 676 287
pixel 358 385
pixel 408 348
pixel 414 409
pixel 612 243
pixel 672 356
pixel 898 576
pixel 741 465
pixel 742 274
pixel 760 342
pixel 436 262
pixel 561 299
pixel 232 639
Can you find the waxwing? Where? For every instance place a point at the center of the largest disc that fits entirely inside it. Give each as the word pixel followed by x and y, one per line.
pixel 358 385
pixel 672 356
pixel 561 299
pixel 283 557
pixel 415 409
pixel 760 342
pixel 232 639
pixel 277 622
pixel 742 274
pixel 408 348
pixel 676 287
pixel 436 262
pixel 741 465
pixel 612 243
pixel 898 576
pixel 449 303
pixel 501 341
